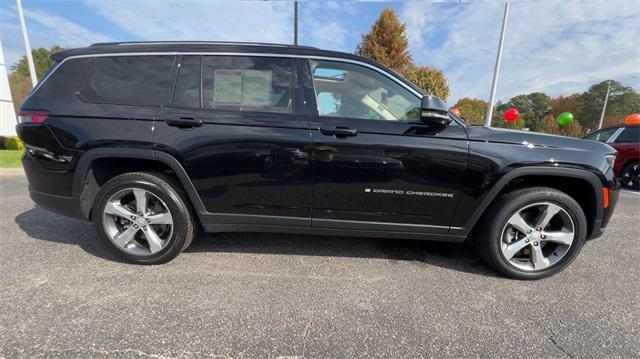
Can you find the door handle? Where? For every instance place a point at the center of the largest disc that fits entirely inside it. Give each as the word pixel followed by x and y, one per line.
pixel 338 131
pixel 184 122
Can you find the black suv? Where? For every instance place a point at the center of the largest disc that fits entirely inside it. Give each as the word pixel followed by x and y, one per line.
pixel 155 141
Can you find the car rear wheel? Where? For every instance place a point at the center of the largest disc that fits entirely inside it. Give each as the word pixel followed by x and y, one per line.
pixel 143 217
pixel 532 233
pixel 630 176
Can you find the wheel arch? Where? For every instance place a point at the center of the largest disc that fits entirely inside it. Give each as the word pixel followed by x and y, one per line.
pixel 99 165
pixel 582 185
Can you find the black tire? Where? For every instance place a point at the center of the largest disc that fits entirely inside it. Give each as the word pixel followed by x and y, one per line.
pixel 630 175
pixel 489 233
pixel 170 192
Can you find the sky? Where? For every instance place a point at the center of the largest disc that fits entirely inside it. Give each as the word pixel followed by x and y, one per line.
pixel 558 47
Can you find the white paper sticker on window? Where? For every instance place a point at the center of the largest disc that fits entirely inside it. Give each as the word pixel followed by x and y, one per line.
pixel 256 87
pixel 228 87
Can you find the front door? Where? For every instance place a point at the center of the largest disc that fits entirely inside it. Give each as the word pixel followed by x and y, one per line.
pixel 235 126
pixel 376 165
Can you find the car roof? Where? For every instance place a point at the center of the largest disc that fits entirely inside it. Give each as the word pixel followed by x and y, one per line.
pixel 216 46
pixel 618 126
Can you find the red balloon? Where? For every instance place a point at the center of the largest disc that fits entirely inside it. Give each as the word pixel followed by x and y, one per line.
pixel 511 114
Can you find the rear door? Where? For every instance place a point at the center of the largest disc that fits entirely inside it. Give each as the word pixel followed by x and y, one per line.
pixel 235 124
pixel 376 165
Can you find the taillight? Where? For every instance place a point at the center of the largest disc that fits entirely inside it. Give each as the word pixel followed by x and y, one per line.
pixel 32 116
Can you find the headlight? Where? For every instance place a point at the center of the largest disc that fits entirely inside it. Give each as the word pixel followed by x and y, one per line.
pixel 611 159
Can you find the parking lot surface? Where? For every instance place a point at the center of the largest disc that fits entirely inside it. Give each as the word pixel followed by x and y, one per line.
pixel 63 294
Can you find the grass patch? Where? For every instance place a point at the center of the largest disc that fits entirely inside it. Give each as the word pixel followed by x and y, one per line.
pixel 10 158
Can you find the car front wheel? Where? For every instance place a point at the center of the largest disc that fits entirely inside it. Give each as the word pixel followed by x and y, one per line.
pixel 532 233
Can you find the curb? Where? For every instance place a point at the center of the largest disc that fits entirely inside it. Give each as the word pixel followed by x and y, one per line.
pixel 11 172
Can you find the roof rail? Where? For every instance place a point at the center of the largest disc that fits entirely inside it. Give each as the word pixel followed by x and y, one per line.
pixel 134 43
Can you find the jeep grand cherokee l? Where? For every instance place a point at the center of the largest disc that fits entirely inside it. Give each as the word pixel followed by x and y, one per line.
pixel 155 141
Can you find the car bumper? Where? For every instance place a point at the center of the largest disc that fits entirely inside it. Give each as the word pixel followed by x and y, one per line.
pixel 601 223
pixel 66 206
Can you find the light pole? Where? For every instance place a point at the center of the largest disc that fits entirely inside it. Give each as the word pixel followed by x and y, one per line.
pixel 25 37
pixel 496 70
pixel 295 23
pixel 604 107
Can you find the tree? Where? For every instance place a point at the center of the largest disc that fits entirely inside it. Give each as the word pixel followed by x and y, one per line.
pixel 20 86
pixel 41 60
pixel 473 110
pixel 387 42
pixel 622 101
pixel 429 79
pixel 561 104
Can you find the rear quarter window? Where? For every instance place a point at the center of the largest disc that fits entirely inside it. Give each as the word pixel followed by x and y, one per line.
pixel 128 80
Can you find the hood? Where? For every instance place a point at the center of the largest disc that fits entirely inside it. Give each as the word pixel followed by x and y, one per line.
pixel 536 139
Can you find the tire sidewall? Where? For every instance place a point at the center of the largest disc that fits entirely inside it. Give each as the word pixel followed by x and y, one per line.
pixel 170 198
pixel 502 216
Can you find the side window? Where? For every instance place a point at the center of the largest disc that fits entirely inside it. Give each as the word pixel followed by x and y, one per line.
pixel 630 134
pixel 128 80
pixel 602 135
pixel 349 90
pixel 187 89
pixel 247 83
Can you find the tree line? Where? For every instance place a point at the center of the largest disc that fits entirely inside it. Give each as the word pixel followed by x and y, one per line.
pixel 538 111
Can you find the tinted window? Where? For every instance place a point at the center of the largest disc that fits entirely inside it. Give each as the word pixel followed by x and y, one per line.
pixel 348 90
pixel 129 80
pixel 602 135
pixel 187 92
pixel 244 83
pixel 630 134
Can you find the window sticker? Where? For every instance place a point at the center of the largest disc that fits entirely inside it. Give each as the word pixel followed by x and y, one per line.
pixel 227 87
pixel 256 88
pixel 242 87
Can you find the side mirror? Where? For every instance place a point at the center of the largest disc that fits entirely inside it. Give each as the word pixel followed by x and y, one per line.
pixel 434 111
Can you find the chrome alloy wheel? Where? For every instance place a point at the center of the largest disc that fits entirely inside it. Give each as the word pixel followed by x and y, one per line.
pixel 537 236
pixel 137 221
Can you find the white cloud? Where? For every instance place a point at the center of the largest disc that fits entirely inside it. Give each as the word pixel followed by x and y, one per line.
pixel 558 47
pixel 200 20
pixel 62 30
pixel 44 30
pixel 320 27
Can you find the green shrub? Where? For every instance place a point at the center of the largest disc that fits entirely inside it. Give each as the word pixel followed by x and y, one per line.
pixel 13 143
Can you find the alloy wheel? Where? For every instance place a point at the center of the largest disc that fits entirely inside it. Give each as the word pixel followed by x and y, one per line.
pixel 631 176
pixel 537 236
pixel 137 221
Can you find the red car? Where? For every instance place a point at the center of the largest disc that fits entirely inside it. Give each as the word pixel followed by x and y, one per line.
pixel 626 140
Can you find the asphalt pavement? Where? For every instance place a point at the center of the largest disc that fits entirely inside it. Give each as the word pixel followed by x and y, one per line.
pixel 63 294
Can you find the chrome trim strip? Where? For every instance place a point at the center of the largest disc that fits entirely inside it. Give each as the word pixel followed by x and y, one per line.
pixel 615 135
